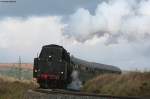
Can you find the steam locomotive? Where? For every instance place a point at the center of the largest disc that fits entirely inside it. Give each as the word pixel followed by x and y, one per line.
pixel 54 68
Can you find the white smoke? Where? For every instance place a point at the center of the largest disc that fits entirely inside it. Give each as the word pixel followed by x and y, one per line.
pixel 114 19
pixel 30 32
pixel 76 84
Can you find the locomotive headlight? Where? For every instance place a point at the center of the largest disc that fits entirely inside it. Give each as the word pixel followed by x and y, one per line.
pixel 35 70
pixel 62 72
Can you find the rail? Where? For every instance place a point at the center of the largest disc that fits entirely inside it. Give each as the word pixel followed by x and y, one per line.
pixel 67 92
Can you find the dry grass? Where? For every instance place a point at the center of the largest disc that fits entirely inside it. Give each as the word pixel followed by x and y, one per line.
pixel 130 84
pixel 11 88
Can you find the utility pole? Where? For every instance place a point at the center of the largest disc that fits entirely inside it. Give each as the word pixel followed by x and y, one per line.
pixel 19 69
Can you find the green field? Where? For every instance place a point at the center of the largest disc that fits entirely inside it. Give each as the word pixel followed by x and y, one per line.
pixel 16 73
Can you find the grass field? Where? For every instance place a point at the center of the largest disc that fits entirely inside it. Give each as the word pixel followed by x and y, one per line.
pixel 10 85
pixel 11 88
pixel 129 84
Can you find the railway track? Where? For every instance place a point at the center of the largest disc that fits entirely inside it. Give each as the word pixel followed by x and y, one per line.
pixel 66 94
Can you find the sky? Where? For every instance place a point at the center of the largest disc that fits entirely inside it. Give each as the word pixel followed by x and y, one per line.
pixel 114 32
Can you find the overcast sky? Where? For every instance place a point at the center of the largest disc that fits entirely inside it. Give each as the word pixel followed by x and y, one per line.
pixel 114 32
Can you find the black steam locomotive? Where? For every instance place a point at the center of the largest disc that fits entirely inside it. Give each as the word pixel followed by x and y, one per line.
pixel 54 67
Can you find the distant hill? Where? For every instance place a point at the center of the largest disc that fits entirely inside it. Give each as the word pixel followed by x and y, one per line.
pixel 15 65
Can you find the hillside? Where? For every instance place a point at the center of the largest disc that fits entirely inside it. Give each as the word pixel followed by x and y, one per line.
pixel 129 84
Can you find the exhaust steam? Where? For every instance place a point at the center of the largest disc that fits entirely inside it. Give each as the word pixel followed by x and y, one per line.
pixel 76 84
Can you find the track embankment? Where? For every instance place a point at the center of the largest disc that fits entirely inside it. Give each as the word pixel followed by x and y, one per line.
pixel 62 94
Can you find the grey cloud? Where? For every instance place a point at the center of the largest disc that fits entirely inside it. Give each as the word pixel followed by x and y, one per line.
pixel 47 7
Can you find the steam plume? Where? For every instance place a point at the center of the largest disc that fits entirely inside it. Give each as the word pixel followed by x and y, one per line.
pixel 113 19
pixel 76 84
